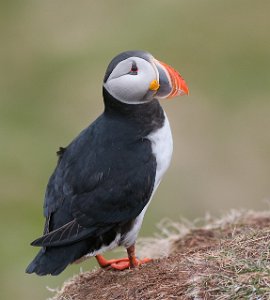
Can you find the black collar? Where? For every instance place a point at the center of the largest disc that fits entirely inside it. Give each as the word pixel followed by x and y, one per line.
pixel 148 116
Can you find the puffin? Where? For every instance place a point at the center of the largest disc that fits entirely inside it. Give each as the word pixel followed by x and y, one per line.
pixel 105 178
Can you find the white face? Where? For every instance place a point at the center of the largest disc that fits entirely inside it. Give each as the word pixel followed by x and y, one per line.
pixel 130 80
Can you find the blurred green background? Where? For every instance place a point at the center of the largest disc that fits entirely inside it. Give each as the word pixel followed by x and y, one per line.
pixel 53 58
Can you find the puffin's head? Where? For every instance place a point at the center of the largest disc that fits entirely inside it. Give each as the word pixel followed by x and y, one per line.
pixel 135 77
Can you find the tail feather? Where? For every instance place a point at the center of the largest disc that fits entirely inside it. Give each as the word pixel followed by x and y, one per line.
pixel 53 260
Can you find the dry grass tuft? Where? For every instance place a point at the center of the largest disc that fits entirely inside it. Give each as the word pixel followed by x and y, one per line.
pixel 222 259
pixel 238 267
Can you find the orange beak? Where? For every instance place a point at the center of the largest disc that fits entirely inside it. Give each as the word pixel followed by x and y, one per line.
pixel 179 86
pixel 171 82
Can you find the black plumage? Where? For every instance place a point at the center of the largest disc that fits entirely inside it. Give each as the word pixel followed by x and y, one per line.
pixel 102 182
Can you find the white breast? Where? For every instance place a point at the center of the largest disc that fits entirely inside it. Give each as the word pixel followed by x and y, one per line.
pixel 162 148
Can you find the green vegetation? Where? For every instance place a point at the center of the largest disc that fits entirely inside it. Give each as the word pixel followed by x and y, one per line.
pixel 53 56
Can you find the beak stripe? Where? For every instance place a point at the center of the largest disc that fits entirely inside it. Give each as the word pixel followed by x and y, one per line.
pixel 179 86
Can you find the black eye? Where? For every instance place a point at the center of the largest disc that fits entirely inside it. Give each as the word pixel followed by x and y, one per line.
pixel 134 69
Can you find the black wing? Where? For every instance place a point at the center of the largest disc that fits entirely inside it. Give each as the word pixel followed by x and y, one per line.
pixel 105 178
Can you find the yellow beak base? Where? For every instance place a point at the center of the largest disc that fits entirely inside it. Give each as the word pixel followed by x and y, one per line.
pixel 154 85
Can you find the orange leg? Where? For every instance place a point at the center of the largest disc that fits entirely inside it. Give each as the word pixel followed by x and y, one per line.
pixel 122 263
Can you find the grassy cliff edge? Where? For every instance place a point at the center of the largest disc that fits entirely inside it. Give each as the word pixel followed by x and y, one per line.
pixel 226 258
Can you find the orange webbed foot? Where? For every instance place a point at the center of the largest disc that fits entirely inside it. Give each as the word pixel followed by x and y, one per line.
pixel 121 263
